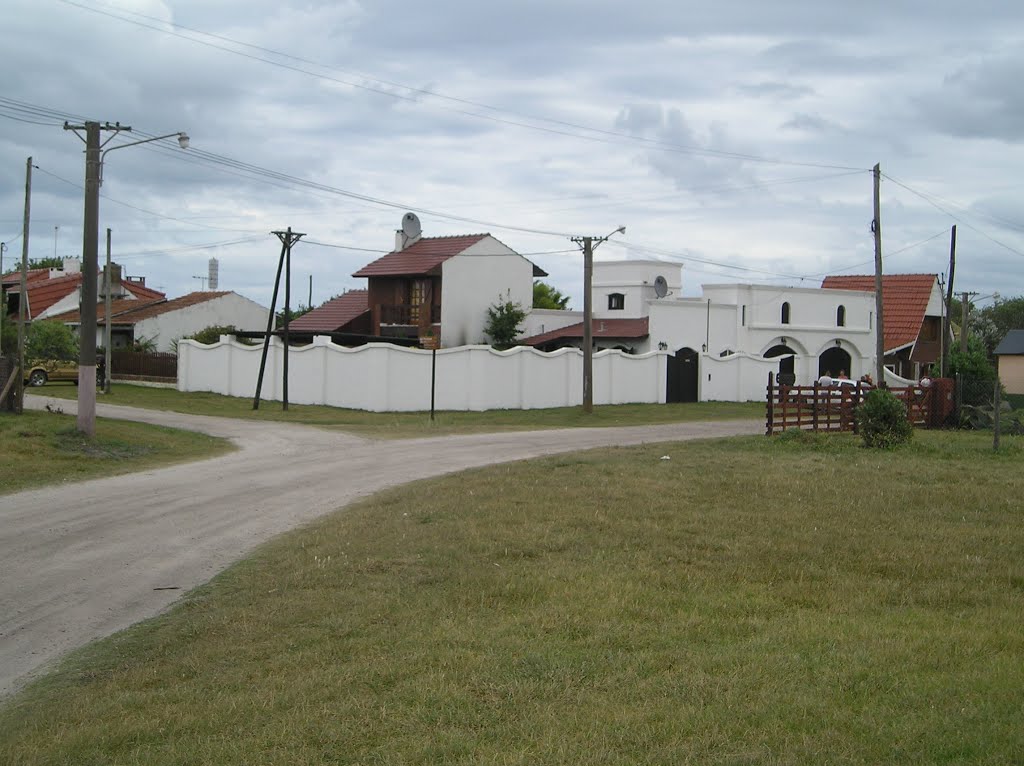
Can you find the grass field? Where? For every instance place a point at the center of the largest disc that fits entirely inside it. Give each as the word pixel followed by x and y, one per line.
pixel 40 448
pixel 413 424
pixel 798 600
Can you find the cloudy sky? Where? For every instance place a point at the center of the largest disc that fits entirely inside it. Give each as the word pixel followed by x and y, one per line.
pixel 733 138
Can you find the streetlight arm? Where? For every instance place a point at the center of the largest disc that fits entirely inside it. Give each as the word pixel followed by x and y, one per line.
pixel 182 137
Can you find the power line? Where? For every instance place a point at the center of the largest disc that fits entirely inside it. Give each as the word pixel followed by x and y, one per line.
pixel 603 136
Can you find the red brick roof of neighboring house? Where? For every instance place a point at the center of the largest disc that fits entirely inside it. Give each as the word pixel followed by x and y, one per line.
pixel 117 308
pixel 334 314
pixel 43 293
pixel 146 309
pixel 424 257
pixel 32 275
pixel 140 291
pixel 600 328
pixel 904 302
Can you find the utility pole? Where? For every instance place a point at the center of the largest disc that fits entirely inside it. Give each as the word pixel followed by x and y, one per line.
pixel 876 228
pixel 309 301
pixel 90 267
pixel 23 298
pixel 949 299
pixel 964 316
pixel 589 244
pixel 107 334
pixel 3 296
pixel 288 238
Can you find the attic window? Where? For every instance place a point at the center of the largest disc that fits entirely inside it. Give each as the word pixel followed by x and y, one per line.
pixel 841 316
pixel 785 313
pixel 616 301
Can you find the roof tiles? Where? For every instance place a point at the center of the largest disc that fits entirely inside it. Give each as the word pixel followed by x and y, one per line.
pixel 334 314
pixel 904 302
pixel 600 328
pixel 420 258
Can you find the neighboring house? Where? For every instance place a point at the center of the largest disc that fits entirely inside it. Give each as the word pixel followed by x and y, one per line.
pixel 166 321
pixel 724 343
pixel 443 286
pixel 912 311
pixel 51 292
pixel 1010 359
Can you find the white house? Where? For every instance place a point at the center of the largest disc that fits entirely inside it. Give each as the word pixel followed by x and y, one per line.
pixel 724 343
pixel 166 321
pixel 439 286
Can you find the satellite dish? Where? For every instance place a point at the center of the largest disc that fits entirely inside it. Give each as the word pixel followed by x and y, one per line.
pixel 411 226
pixel 660 286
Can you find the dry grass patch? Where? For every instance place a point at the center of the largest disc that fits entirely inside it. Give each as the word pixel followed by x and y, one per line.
pixel 41 448
pixel 797 600
pixel 415 424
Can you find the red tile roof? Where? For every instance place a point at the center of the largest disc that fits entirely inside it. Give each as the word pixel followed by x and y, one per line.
pixel 117 308
pixel 143 309
pixel 420 258
pixel 32 275
pixel 600 328
pixel 43 293
pixel 904 302
pixel 334 314
pixel 142 292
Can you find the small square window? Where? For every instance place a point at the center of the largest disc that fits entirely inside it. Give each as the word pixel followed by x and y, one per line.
pixel 616 302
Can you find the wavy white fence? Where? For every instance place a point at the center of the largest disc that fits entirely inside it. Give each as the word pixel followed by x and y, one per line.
pixel 381 377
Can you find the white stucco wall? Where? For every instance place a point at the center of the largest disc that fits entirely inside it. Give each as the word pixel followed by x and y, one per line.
pixel 476 279
pixel 635 281
pixel 230 309
pixel 383 378
pixel 546 320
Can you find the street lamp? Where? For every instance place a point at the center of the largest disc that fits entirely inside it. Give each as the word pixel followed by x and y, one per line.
pixel 589 244
pixel 94 154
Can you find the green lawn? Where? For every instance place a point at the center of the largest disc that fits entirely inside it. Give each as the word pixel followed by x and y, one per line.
pixel 413 424
pixel 796 600
pixel 40 448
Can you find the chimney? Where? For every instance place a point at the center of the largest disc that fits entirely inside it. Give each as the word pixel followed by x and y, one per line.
pixel 71 266
pixel 400 240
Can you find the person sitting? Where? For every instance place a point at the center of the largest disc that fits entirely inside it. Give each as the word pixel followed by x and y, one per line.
pixel 842 375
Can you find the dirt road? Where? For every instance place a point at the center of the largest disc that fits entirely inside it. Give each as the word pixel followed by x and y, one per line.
pixel 81 561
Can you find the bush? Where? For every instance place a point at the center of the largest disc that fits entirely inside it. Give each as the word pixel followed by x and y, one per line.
pixel 51 340
pixel 882 420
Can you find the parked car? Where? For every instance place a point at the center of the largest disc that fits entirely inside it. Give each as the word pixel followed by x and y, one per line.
pixel 43 371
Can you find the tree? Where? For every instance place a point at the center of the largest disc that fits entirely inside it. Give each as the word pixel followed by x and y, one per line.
pixel 972 365
pixel 51 262
pixel 503 320
pixel 547 297
pixel 293 314
pixel 51 340
pixel 1003 315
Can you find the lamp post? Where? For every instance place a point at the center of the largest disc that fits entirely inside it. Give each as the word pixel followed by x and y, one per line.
pixel 589 244
pixel 94 156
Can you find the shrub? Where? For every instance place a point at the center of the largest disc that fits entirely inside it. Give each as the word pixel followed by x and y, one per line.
pixel 882 420
pixel 503 320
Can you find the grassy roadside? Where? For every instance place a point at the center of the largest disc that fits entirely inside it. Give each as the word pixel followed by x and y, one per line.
pixel 794 600
pixel 41 448
pixel 413 424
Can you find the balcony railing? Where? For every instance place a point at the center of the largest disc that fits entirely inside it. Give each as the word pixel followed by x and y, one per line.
pixel 409 315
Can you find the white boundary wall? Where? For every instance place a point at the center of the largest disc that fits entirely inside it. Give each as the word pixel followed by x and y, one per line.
pixel 381 377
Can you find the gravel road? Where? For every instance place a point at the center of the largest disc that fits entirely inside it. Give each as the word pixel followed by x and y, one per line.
pixel 81 561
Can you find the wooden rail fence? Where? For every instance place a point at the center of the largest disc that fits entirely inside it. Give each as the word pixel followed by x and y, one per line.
pixel 833 408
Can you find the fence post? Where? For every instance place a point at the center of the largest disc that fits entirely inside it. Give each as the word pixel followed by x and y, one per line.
pixel 814 408
pixel 995 425
pixel 770 427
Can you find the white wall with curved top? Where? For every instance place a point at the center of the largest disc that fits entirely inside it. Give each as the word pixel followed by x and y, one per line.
pixel 381 377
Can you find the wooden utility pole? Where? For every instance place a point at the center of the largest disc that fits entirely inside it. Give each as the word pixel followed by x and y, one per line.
pixel 288 238
pixel 964 317
pixel 949 299
pixel 23 298
pixel 588 323
pixel 876 228
pixel 107 334
pixel 588 244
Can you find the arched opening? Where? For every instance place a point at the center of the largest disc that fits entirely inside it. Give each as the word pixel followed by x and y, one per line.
pixel 841 316
pixel 681 378
pixel 785 313
pixel 787 369
pixel 834 362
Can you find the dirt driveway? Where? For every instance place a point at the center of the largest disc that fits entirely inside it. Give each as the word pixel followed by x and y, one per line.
pixel 81 561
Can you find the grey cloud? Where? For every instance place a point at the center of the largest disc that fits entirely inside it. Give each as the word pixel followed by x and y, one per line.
pixel 777 90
